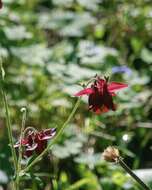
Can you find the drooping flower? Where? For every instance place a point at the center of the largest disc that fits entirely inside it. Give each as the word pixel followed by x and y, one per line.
pixel 1 4
pixel 100 95
pixel 35 142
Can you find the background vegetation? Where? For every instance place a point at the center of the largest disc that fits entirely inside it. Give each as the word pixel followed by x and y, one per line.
pixel 48 47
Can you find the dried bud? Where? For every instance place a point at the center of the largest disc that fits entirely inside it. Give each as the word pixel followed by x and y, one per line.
pixel 111 154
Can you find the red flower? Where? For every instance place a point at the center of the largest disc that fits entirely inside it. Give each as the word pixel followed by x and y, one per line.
pixel 35 141
pixel 100 95
pixel 1 4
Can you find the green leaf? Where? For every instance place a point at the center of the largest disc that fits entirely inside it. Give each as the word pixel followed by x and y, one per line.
pixel 146 55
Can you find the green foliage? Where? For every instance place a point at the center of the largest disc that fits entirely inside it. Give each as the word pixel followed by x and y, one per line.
pixel 48 47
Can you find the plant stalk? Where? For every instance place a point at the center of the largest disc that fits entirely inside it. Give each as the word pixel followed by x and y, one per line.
pixel 132 174
pixel 10 136
pixel 37 159
pixel 8 120
pixel 20 148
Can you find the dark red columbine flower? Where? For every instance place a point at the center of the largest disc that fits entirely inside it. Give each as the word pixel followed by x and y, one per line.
pixel 100 95
pixel 1 4
pixel 35 141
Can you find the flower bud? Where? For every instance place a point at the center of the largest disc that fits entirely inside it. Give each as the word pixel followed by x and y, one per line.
pixel 111 154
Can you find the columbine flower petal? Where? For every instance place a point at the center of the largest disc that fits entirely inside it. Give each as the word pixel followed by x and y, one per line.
pixel 116 86
pixel 86 91
pixel 24 142
pixel 35 141
pixel 48 134
pixel 104 109
pixel 31 148
pixel 100 95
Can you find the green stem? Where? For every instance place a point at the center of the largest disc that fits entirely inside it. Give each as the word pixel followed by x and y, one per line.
pixel 79 184
pixel 20 148
pixel 38 158
pixel 8 120
pixel 10 135
pixel 132 174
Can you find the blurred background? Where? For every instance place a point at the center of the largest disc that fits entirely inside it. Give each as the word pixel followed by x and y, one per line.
pixel 48 47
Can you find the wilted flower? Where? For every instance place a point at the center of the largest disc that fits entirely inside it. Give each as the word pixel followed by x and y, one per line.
pixel 1 4
pixel 100 95
pixel 35 141
pixel 111 154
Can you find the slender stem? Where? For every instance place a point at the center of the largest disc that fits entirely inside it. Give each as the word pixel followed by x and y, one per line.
pixel 10 136
pixel 133 175
pixel 13 185
pixel 23 110
pixel 8 120
pixel 37 159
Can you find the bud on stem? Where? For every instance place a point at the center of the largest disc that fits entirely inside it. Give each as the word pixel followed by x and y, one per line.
pixel 111 154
